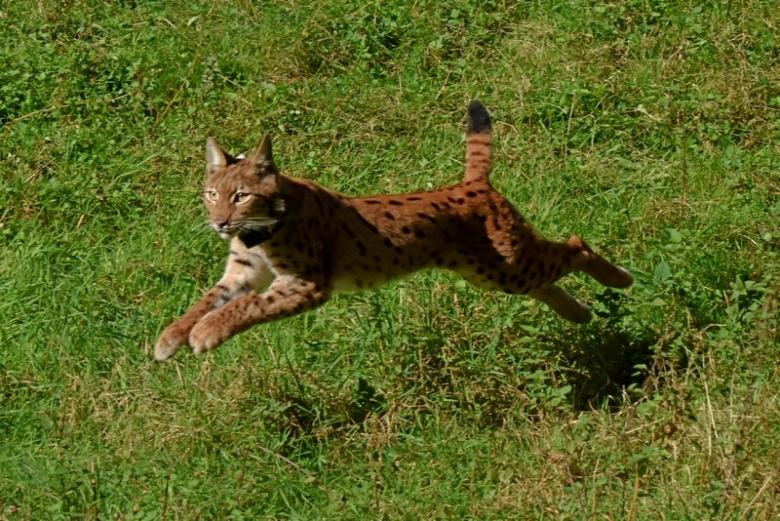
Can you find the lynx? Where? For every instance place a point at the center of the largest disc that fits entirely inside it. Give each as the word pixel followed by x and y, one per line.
pixel 293 243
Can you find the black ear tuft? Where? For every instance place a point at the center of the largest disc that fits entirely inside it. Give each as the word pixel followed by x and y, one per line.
pixel 215 156
pixel 263 157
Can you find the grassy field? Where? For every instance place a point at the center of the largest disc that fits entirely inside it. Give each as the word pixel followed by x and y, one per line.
pixel 651 128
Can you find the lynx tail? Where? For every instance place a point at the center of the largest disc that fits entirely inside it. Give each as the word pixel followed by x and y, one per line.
pixel 477 143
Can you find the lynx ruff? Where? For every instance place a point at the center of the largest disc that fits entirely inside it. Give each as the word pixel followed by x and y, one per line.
pixel 293 243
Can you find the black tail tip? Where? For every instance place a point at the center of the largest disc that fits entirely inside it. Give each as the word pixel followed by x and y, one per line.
pixel 479 120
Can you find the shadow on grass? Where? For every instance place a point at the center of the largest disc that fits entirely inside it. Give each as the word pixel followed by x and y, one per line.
pixel 602 363
pixel 309 416
pixel 605 364
pixel 613 354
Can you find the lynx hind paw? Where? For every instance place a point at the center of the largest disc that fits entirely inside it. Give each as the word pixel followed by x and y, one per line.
pixel 622 278
pixel 563 303
pixel 571 309
pixel 578 313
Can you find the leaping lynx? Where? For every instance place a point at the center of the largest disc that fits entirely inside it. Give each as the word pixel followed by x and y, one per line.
pixel 293 243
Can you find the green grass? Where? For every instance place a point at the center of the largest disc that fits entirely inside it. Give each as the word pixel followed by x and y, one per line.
pixel 651 128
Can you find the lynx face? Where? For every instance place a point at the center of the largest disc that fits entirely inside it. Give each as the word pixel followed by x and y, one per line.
pixel 242 195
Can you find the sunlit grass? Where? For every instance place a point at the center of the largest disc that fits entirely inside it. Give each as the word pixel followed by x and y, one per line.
pixel 648 128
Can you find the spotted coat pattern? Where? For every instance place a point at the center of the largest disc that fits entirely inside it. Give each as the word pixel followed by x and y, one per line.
pixel 293 243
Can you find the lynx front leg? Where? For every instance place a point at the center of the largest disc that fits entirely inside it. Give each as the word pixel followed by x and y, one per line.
pixel 245 271
pixel 286 296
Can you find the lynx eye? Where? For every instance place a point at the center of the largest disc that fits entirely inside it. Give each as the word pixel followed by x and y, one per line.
pixel 211 195
pixel 241 197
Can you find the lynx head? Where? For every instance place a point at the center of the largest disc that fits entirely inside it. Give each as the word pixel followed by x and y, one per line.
pixel 243 195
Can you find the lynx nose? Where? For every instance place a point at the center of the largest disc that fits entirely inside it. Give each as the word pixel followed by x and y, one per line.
pixel 222 224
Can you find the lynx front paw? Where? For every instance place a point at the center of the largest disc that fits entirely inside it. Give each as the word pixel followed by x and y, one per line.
pixel 174 337
pixel 206 335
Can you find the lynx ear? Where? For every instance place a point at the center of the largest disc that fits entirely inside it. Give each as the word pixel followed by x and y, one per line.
pixel 263 156
pixel 215 156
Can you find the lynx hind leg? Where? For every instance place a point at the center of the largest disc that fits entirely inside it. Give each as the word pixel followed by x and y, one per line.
pixel 593 264
pixel 596 266
pixel 562 302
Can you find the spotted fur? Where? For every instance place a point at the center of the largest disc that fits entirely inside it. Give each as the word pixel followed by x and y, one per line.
pixel 293 243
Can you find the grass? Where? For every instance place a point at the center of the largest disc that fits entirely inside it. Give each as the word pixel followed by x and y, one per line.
pixel 649 127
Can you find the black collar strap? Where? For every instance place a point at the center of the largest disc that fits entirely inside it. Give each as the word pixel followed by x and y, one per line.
pixel 254 237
